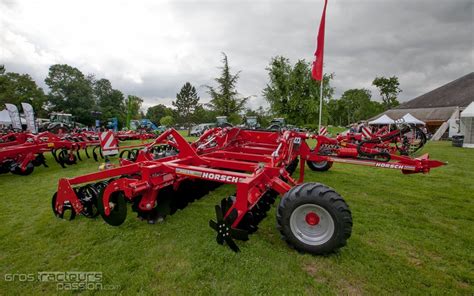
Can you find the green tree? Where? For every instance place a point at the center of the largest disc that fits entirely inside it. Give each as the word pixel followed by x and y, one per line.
pixel 293 94
pixel 167 120
pixel 157 112
pixel 203 115
pixel 389 90
pixel 133 104
pixel 18 88
pixel 111 101
pixel 186 102
pixel 353 106
pixel 70 91
pixel 225 100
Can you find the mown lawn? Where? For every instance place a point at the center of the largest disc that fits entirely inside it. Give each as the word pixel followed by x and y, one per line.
pixel 413 234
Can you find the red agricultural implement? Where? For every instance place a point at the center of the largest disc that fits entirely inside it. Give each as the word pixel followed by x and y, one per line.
pixel 25 151
pixel 109 145
pixel 405 140
pixel 170 172
pixel 134 135
pixel 13 138
pixel 20 152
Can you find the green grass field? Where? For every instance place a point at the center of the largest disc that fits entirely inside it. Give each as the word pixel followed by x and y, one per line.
pixel 412 234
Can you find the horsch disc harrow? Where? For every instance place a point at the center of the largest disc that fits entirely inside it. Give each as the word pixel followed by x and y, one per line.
pixel 167 174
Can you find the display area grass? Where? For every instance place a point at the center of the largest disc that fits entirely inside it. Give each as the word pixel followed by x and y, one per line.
pixel 412 234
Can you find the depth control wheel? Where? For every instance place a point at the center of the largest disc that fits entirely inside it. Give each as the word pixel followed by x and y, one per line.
pixel 313 218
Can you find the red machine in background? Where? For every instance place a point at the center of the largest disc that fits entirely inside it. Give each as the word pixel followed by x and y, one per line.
pixel 170 172
pixel 23 151
pixel 404 140
pixel 20 152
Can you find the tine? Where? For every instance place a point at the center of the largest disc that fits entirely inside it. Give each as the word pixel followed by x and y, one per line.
pixel 220 240
pixel 231 244
pixel 239 234
pixel 63 156
pixel 224 205
pixel 78 154
pixel 213 224
pixel 58 160
pixel 100 152
pixel 121 153
pixel 43 161
pixel 219 216
pixel 87 152
pixel 53 152
pixel 94 154
pixel 71 157
pixel 231 217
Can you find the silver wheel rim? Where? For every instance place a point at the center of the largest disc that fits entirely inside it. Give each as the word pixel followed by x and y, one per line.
pixel 319 164
pixel 313 235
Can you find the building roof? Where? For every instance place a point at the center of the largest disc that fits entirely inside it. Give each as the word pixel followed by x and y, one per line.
pixel 457 93
pixel 424 114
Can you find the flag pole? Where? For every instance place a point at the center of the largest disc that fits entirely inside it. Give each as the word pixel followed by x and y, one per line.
pixel 320 104
pixel 317 71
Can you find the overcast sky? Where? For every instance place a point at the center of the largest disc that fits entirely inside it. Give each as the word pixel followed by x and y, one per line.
pixel 151 48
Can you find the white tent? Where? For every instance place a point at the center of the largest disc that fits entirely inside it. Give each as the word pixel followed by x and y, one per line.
pixel 467 126
pixel 382 120
pixel 5 117
pixel 408 118
pixel 6 120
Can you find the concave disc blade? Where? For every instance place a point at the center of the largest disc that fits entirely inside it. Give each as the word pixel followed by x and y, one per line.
pixel 239 234
pixel 213 225
pixel 231 217
pixel 231 244
pixel 219 215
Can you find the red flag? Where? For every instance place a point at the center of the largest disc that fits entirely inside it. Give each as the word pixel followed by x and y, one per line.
pixel 317 71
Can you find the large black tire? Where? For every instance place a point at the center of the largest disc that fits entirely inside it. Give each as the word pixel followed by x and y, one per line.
pixel 313 218
pixel 55 128
pixel 320 166
pixel 274 127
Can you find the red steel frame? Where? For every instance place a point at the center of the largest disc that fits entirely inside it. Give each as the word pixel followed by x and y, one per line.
pixel 254 161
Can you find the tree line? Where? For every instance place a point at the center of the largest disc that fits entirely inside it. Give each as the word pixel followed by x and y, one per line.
pixel 290 92
pixel 84 96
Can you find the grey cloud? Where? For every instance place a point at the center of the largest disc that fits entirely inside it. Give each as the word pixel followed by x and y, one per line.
pixel 425 43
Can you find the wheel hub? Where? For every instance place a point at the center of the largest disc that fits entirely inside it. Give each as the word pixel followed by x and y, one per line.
pixel 312 218
pixel 312 224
